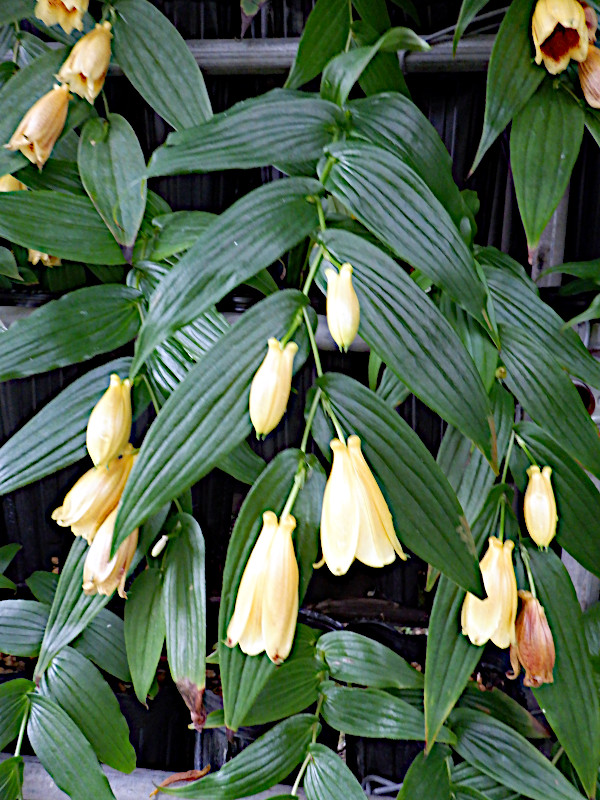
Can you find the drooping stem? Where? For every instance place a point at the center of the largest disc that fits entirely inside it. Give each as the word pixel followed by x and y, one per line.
pixel 300 775
pixel 507 457
pixel 525 449
pixel 527 563
pixel 295 490
pixel 313 271
pixel 22 730
pixel 17 43
pixel 331 414
pixel 313 343
pixel 320 211
pixel 310 419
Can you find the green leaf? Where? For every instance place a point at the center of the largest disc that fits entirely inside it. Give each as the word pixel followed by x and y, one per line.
pixel 372 713
pixel 22 625
pixel 353 658
pixel 58 175
pixel 14 10
pixel 545 390
pixel 13 705
pixel 468 782
pixel 478 344
pixel 261 765
pixel 178 231
pixel 19 93
pixel 497 751
pixel 243 677
pixel 184 604
pixel 77 327
pixel 8 265
pixel 242 463
pixel 253 133
pixel 65 752
pixel 11 777
pixel 391 389
pixel 29 219
pixel 81 691
pixel 206 416
pixel 7 553
pixel 468 11
pixel 144 629
pixel 325 34
pixel 328 778
pixel 395 204
pixel 103 642
pixel 570 703
pixel 112 167
pixel 502 707
pixel 55 436
pixel 544 144
pixel 246 238
pixel 512 75
pixel 42 586
pixel 421 349
pixel 427 515
pixel 428 776
pixel 156 60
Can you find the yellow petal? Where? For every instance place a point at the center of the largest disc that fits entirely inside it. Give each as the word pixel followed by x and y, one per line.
pixel 559 33
pixel 539 506
pixel 271 385
pixel 340 515
pixel 109 425
pixel 343 310
pixel 8 183
pixel 102 574
pixel 41 126
pixel 68 13
pixel 280 595
pixel 87 64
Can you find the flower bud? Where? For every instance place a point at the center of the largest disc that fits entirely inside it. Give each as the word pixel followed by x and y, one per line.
pixel 534 646
pixel 559 33
pixel 101 573
pixel 66 13
pixel 539 506
pixel 589 77
pixel 8 183
pixel 271 385
pixel 493 618
pixel 109 425
pixel 266 606
pixel 94 496
pixel 41 126
pixel 343 310
pixel 35 256
pixel 85 69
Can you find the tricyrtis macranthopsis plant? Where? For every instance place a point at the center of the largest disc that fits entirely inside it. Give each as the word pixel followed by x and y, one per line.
pixel 368 214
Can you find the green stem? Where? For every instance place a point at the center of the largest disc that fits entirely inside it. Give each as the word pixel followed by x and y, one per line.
pixel 105 103
pixel 320 211
pixel 313 343
pixel 310 419
pixel 527 563
pixel 300 775
pixel 525 449
pixel 328 167
pixel 297 485
pixel 22 730
pixel 17 43
pixel 330 413
pixel 320 702
pixel 557 755
pixel 507 457
pixel 313 271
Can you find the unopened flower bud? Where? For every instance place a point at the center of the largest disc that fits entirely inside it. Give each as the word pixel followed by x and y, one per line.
pixel 35 256
pixel 85 69
pixel 41 126
pixel 589 77
pixel 101 573
pixel 343 310
pixel 534 646
pixel 109 425
pixel 66 13
pixel 271 386
pixel 8 183
pixel 539 506
pixel 559 33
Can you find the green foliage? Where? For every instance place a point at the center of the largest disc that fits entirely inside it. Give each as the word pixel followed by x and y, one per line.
pixel 144 630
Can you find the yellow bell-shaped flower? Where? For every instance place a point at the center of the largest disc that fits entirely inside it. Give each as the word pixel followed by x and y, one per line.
pixel 560 33
pixel 66 13
pixel 85 69
pixel 271 386
pixel 539 506
pixel 94 496
pixel 493 618
pixel 41 126
pixel 343 310
pixel 266 606
pixel 101 573
pixel 35 256
pixel 355 519
pixel 109 425
pixel 8 183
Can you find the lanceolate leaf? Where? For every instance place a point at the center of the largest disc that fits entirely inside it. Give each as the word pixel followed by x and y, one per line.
pixel 324 35
pixel 11 777
pixel 571 702
pixel 428 776
pixel 261 765
pixel 144 629
pixel 77 327
pixel 112 166
pixel 206 416
pixel 544 391
pixel 59 175
pixel 65 752
pixel 427 515
pixel 544 144
pixel 496 750
pixel 22 626
pixel 502 707
pixel 178 231
pixel 246 238
pixel 328 778
pixel 280 125
pixel 468 783
pixel 395 204
pixel 422 347
pixel 13 704
pixel 512 75
pixel 80 690
pixel 468 11
pixel 13 10
pixel 173 84
pixel 103 642
pixel 55 436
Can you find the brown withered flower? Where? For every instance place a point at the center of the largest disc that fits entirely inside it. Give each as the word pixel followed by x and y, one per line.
pixel 591 21
pixel 534 647
pixel 589 77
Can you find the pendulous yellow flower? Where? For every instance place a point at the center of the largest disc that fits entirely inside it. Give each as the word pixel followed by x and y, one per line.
pixel 539 506
pixel 355 518
pixel 560 33
pixel 94 496
pixel 85 69
pixel 493 618
pixel 271 385
pixel 101 573
pixel 109 425
pixel 41 126
pixel 8 183
pixel 35 256
pixel 534 646
pixel 66 13
pixel 266 606
pixel 343 310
